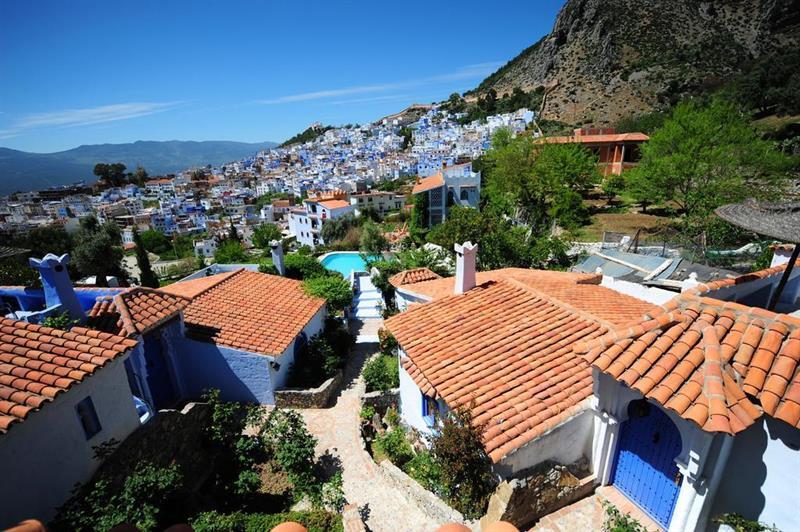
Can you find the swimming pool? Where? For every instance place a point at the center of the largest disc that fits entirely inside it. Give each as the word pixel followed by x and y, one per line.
pixel 344 262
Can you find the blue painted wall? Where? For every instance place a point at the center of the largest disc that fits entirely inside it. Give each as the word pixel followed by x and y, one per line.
pixel 238 375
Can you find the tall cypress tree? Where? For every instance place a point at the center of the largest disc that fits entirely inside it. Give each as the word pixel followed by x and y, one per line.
pixel 147 277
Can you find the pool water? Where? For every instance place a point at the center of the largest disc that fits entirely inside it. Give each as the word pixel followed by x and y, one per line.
pixel 344 263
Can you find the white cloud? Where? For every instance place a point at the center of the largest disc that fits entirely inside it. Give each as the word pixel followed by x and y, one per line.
pixel 477 70
pixel 386 98
pixel 85 117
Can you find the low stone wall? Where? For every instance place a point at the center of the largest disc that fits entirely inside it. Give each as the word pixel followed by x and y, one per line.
pixel 381 401
pixel 318 397
pixel 537 492
pixel 435 508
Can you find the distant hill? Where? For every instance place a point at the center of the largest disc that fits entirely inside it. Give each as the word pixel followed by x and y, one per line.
pixel 23 171
pixel 610 59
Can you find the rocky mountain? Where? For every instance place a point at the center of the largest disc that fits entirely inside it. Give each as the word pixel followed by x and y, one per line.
pixel 609 59
pixel 22 171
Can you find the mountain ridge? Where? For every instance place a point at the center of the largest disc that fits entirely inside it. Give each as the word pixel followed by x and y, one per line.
pixel 610 59
pixel 24 171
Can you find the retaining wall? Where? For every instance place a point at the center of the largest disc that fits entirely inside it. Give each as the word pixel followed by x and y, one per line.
pixel 318 397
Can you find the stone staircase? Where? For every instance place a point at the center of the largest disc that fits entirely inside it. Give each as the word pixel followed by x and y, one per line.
pixel 368 300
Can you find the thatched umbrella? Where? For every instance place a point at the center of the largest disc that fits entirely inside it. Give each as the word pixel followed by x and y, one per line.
pixel 778 220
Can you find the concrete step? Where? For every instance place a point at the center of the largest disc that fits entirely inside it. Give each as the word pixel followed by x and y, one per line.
pixel 371 296
pixel 367 313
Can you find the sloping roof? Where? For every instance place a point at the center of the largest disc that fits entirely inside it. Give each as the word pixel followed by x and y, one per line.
pixel 194 287
pixel 598 139
pixel 251 311
pixel 135 311
pixel 505 349
pixel 580 290
pixel 414 275
pixel 708 288
pixel 428 183
pixel 37 363
pixel 709 361
pixel 334 204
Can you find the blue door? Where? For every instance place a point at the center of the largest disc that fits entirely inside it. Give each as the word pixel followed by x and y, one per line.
pixel 645 469
pixel 159 379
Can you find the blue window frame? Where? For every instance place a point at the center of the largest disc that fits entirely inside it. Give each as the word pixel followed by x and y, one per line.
pixel 429 409
pixel 87 416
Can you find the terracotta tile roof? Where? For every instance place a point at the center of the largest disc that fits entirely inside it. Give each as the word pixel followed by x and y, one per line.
pixel 414 275
pixel 428 183
pixel 597 139
pixel 37 363
pixel 135 311
pixel 506 349
pixel 334 204
pixel 706 288
pixel 195 287
pixel 579 290
pixel 251 311
pixel 719 364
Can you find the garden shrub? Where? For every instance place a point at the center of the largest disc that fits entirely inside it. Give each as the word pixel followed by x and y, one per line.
pixel 285 432
pixel 301 266
pixel 61 321
pixel 616 521
pixel 381 373
pixel 144 493
pixel 387 342
pixel 466 471
pixel 314 364
pixel 367 412
pixel 425 470
pixel 333 288
pixel 333 499
pixel 313 520
pixel 393 443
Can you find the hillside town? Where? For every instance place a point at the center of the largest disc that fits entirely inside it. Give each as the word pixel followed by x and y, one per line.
pixel 565 299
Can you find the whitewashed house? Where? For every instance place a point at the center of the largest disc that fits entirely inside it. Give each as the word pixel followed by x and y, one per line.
pixel 306 223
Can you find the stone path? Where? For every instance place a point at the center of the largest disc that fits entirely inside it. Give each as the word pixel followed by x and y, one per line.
pixel 586 515
pixel 337 430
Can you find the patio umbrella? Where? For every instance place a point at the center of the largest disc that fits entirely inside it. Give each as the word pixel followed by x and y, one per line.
pixel 778 220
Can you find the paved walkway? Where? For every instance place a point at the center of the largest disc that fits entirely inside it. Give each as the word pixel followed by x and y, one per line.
pixel 337 430
pixel 585 515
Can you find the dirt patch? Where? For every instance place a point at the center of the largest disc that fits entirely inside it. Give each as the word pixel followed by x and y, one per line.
pixel 627 223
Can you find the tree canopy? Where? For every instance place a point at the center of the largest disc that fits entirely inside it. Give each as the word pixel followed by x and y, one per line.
pixel 704 157
pixel 264 234
pixel 98 250
pixel 146 276
pixel 372 240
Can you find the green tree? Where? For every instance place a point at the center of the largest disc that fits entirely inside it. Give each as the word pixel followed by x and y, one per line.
pixel 139 176
pixel 466 470
pixel 233 234
pixel 372 240
pixel 333 288
pixel 299 266
pixel 155 241
pixel 264 234
pixel 231 252
pixel 539 183
pixel 112 174
pixel 98 250
pixel 419 216
pixel 147 277
pixel 47 239
pixel 704 157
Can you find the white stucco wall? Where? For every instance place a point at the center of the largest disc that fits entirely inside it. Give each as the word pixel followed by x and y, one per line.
pixel 651 294
pixel 403 299
pixel 314 327
pixel 566 443
pixel 760 479
pixel 45 455
pixel 411 403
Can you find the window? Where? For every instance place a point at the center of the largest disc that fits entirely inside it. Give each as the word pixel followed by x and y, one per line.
pixel 87 415
pixel 429 409
pixel 464 195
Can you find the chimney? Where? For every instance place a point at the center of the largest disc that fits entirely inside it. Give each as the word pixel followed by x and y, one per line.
pixel 277 256
pixel 58 288
pixel 465 266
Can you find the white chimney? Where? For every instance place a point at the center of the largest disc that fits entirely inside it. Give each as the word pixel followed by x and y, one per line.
pixel 277 256
pixel 465 266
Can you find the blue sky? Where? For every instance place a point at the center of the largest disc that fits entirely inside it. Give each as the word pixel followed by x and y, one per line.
pixel 87 72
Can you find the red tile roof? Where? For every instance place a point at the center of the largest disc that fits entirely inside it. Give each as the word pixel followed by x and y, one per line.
pixel 580 290
pixel 706 289
pixel 334 204
pixel 195 287
pixel 135 311
pixel 428 183
pixel 711 362
pixel 506 349
pixel 251 311
pixel 597 139
pixel 37 363
pixel 414 275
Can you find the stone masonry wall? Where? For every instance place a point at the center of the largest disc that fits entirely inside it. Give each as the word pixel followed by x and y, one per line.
pixel 318 397
pixel 538 492
pixel 430 504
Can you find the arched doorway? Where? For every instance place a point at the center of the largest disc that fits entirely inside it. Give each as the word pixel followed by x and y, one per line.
pixel 644 468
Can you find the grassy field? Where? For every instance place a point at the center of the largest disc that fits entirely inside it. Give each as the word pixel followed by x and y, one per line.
pixel 628 223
